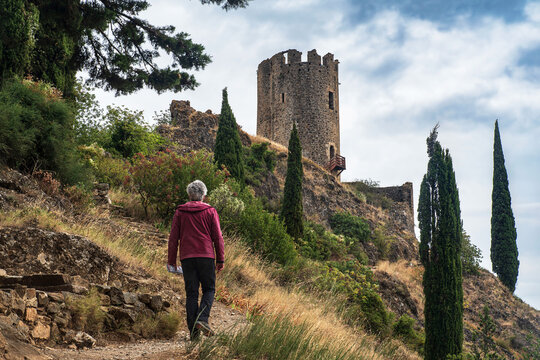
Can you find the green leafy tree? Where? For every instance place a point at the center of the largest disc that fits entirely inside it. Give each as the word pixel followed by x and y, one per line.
pixel 228 149
pixel 470 255
pixel 36 131
pixel 440 253
pixel 292 208
pixel 128 134
pixel 52 40
pixel 504 252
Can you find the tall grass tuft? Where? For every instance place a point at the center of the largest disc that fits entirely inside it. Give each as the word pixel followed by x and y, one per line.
pixel 273 339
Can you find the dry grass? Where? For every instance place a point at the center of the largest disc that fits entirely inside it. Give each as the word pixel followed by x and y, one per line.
pixel 130 202
pixel 114 238
pixel 410 273
pixel 248 277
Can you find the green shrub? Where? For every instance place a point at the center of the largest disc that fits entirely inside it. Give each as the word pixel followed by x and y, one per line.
pixel 350 226
pixel 381 241
pixel 79 195
pixel 363 303
pixel 162 325
pixel 319 244
pixel 86 312
pixel 161 179
pixel 265 233
pixel 470 255
pixel 228 206
pixel 129 134
pixel 106 169
pixel 404 330
pixel 357 250
pixel 532 350
pixel 37 131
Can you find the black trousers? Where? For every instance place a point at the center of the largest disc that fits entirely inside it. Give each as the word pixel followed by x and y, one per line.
pixel 199 271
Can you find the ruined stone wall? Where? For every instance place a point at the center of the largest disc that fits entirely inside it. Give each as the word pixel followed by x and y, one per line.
pixel 298 92
pixel 403 193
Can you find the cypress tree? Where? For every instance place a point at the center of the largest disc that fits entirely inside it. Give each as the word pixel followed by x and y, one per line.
pixel 228 149
pixel 440 253
pixel 292 209
pixel 504 252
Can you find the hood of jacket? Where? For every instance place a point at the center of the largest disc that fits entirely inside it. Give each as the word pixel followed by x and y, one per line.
pixel 193 206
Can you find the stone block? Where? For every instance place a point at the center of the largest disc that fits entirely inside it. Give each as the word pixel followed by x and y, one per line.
pixel 62 320
pixel 17 305
pixel 42 298
pixel 156 303
pixel 83 340
pixel 20 290
pixel 45 280
pixel 116 295
pixel 130 298
pixel 145 298
pixel 30 298
pixel 56 297
pixel 13 318
pixel 123 315
pixel 79 290
pixel 5 298
pixel 23 328
pixel 53 308
pixel 31 315
pixel 41 331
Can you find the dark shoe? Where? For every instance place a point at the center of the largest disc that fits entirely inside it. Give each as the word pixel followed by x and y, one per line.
pixel 195 335
pixel 204 328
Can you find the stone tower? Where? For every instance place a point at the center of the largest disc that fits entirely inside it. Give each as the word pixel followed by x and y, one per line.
pixel 306 93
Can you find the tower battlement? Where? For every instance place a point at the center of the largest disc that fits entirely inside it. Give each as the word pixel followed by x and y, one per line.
pixel 306 93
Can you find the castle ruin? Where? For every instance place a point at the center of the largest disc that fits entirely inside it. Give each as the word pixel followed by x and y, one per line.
pixel 306 93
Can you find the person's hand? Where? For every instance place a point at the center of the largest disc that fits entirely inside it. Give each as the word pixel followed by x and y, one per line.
pixel 219 266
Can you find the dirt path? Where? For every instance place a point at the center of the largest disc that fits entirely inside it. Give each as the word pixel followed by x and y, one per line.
pixel 222 319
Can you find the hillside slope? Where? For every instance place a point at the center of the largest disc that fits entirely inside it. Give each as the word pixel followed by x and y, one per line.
pixel 398 273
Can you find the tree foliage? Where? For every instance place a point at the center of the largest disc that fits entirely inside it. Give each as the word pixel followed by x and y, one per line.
pixel 228 149
pixel 53 40
pixel 504 252
pixel 36 131
pixel 440 253
pixel 292 208
pixel 470 255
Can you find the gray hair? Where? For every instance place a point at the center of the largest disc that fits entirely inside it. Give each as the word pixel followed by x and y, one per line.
pixel 196 190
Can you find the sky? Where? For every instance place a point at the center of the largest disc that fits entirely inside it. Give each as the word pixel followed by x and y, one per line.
pixel 405 65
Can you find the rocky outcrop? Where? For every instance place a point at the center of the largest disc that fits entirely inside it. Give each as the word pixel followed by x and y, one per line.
pixel 191 129
pixel 33 251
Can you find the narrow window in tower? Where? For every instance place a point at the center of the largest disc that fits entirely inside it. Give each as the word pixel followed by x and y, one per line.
pixel 331 100
pixel 332 152
pixel 282 97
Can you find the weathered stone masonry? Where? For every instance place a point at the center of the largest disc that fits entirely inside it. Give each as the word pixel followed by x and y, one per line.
pixel 305 93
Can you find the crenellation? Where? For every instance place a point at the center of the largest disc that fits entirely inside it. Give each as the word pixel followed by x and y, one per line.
pixel 328 60
pixel 313 57
pixel 293 56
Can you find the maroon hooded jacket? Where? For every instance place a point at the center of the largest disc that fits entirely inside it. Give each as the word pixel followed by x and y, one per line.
pixel 195 232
